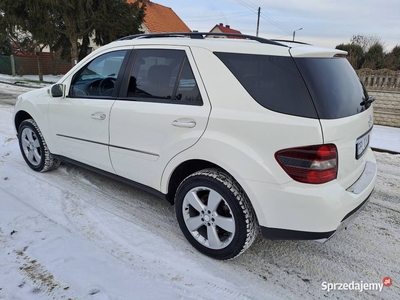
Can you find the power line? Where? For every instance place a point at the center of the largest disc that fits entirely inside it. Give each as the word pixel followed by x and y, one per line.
pixel 251 6
pixel 276 24
pixel 238 14
pixel 246 5
pixel 279 37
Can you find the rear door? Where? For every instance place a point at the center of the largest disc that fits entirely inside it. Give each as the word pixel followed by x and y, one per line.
pixel 162 110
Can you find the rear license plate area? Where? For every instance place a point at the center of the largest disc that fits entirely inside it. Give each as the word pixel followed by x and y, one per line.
pixel 362 144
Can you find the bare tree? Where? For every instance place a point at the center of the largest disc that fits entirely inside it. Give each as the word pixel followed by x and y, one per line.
pixel 366 41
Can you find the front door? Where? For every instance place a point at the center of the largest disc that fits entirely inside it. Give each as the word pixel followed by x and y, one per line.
pixel 80 122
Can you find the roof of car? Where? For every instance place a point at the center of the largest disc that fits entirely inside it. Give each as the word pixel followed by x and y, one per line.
pixel 247 44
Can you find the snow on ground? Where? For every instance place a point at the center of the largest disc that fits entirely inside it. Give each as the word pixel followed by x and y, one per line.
pixel 384 137
pixel 29 80
pixel 73 234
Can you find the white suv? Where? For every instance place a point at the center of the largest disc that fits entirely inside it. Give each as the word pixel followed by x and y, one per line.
pixel 241 134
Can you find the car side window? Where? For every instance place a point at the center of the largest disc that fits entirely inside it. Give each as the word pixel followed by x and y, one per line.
pixel 161 75
pixel 98 77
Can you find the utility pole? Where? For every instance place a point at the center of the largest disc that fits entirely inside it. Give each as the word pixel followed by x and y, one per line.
pixel 258 20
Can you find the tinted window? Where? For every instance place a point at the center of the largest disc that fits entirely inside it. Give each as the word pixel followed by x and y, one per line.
pixel 163 75
pixel 273 81
pixel 333 85
pixel 98 77
pixel 187 89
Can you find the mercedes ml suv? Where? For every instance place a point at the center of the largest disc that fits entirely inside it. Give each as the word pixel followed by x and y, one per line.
pixel 243 135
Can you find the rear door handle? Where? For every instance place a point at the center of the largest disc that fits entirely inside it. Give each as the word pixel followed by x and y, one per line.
pixel 184 122
pixel 98 116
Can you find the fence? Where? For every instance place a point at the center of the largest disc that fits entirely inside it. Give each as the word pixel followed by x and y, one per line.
pixel 386 80
pixel 5 65
pixel 28 64
pixel 384 85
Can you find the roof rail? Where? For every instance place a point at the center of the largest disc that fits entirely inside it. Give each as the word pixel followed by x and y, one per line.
pixel 289 41
pixel 200 35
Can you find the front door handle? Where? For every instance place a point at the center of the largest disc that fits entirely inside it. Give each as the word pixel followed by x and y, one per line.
pixel 184 122
pixel 98 116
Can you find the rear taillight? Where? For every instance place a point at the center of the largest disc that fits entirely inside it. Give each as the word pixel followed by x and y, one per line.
pixel 313 164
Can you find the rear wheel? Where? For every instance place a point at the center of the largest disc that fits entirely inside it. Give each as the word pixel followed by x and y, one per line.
pixel 34 148
pixel 215 214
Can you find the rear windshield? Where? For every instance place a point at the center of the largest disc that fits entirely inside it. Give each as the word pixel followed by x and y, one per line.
pixel 334 86
pixel 273 81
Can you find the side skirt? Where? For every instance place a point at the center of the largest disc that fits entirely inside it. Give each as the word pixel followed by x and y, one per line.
pixel 116 177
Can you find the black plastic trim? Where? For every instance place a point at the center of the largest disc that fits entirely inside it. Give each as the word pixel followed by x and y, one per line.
pixel 116 177
pixel 290 41
pixel 286 234
pixel 357 208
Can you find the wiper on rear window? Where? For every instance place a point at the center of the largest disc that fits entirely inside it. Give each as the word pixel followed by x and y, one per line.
pixel 367 101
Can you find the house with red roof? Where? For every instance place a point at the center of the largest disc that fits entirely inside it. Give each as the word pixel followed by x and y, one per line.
pixel 160 18
pixel 220 28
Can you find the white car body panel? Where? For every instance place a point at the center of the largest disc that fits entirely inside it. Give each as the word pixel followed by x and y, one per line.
pixel 36 104
pixel 145 141
pixel 343 133
pixel 77 135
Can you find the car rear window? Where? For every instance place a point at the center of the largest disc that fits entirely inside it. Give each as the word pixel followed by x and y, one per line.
pixel 273 81
pixel 334 86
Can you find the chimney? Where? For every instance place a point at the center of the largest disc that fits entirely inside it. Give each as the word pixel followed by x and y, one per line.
pixel 228 26
pixel 221 24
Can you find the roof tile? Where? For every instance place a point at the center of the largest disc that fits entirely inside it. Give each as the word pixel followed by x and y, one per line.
pixel 160 18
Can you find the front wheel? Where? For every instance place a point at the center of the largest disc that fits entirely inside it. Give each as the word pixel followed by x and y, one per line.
pixel 215 215
pixel 34 148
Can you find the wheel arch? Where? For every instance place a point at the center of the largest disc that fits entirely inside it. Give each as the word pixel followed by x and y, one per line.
pixel 183 170
pixel 186 168
pixel 21 116
pixel 172 177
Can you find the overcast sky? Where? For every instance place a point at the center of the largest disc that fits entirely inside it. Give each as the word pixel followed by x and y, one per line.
pixel 324 22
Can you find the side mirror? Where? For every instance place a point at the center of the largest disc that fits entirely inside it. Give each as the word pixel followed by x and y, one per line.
pixel 57 90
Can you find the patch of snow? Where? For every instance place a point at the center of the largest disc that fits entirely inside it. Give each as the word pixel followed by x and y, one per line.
pixel 29 80
pixel 47 78
pixel 386 138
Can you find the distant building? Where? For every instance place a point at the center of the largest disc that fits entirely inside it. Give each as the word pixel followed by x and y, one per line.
pixel 160 18
pixel 220 28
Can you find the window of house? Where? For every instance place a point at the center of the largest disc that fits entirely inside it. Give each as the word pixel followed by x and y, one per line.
pixel 99 76
pixel 163 75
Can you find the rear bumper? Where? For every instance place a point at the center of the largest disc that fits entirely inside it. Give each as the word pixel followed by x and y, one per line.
pixel 285 234
pixel 296 211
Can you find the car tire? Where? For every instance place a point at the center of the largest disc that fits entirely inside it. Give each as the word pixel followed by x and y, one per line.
pixel 215 214
pixel 34 148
